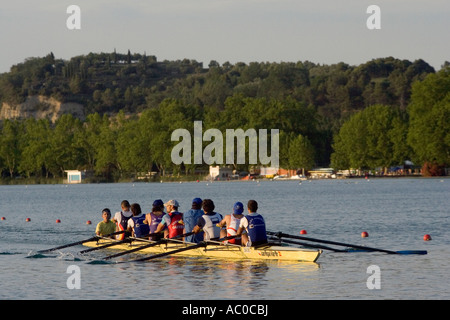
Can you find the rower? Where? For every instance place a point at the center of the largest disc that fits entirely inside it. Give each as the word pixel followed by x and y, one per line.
pixel 232 222
pixel 136 223
pixel 208 222
pixel 190 219
pixel 172 222
pixel 106 226
pixel 121 218
pixel 154 218
pixel 254 225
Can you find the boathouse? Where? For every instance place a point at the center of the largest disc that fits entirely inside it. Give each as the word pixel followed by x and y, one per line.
pixel 74 176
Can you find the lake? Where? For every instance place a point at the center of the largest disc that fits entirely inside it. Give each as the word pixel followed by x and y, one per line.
pixel 395 212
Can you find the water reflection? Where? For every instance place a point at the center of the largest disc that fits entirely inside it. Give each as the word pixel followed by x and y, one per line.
pixel 200 278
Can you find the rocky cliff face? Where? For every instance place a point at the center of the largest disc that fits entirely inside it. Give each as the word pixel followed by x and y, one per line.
pixel 41 107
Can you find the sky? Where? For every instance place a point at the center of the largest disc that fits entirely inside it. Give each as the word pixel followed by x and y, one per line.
pixel 320 31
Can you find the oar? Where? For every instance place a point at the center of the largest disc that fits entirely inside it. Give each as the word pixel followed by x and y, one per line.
pixel 159 255
pixel 310 245
pixel 281 235
pixel 79 242
pixel 118 242
pixel 145 246
pixel 115 243
pixel 195 246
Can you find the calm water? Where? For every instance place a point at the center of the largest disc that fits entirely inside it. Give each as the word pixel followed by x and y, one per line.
pixel 395 212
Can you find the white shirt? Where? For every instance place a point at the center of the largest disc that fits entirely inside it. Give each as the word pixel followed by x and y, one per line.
pixel 126 214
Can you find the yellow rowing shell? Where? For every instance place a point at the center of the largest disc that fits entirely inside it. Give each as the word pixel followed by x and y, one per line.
pixel 268 252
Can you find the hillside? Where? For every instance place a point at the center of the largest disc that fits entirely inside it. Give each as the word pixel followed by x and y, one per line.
pixel 109 82
pixel 114 113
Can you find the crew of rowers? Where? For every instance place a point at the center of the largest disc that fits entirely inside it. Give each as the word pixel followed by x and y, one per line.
pixel 200 223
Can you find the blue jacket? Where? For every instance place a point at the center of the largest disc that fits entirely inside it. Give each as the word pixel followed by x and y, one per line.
pixel 190 219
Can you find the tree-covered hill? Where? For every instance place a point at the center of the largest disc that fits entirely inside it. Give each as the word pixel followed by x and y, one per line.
pixel 109 82
pixel 132 103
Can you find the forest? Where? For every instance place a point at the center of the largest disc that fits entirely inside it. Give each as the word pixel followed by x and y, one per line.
pixel 377 114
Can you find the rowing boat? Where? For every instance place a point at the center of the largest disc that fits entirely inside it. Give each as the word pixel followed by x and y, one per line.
pixel 218 250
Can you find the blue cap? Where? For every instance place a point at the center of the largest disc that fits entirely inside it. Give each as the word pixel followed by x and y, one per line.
pixel 238 208
pixel 158 203
pixel 197 200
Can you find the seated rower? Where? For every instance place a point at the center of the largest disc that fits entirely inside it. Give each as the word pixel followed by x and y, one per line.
pixel 190 219
pixel 154 218
pixel 172 221
pixel 106 226
pixel 208 221
pixel 121 218
pixel 232 222
pixel 254 225
pixel 136 224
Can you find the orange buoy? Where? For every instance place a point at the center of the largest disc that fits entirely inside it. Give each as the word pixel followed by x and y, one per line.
pixel 427 237
pixel 303 231
pixel 364 234
pixel 58 221
pixel 27 219
pixel 3 218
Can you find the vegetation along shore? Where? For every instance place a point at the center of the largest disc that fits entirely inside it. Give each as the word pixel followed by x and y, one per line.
pixel 112 114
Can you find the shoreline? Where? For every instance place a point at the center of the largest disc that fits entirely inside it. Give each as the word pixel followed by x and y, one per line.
pixel 12 182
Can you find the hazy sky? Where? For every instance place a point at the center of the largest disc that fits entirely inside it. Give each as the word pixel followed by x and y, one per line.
pixel 321 31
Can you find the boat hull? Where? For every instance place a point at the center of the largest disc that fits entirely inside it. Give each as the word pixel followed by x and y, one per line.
pixel 269 252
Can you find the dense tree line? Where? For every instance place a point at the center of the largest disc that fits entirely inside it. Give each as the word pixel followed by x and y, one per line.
pixel 383 136
pixel 122 146
pixel 376 114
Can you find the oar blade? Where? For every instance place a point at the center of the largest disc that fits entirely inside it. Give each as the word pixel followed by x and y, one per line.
pixel 420 252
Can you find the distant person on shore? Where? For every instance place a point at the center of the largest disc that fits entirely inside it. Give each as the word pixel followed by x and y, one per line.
pixel 208 221
pixel 232 223
pixel 106 226
pixel 136 224
pixel 190 219
pixel 121 218
pixel 154 218
pixel 254 226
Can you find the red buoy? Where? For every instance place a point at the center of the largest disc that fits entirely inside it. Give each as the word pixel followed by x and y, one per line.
pixel 27 219
pixel 427 237
pixel 58 221
pixel 88 222
pixel 364 234
pixel 3 218
pixel 303 231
